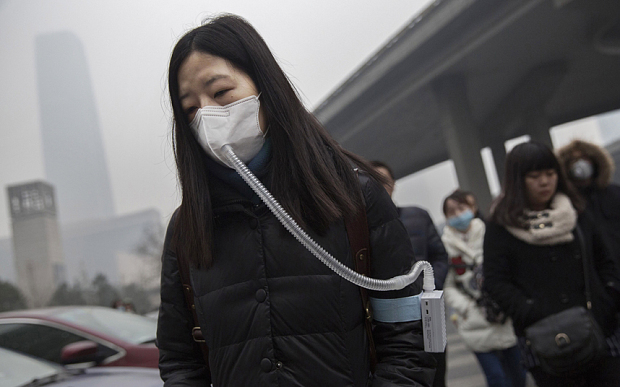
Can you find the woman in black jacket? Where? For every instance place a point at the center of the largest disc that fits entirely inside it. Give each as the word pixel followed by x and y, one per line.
pixel 591 169
pixel 272 314
pixel 533 264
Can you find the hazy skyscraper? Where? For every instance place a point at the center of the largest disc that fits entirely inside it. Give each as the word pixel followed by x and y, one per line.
pixel 72 144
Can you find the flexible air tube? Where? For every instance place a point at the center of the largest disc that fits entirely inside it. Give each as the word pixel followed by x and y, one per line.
pixel 345 272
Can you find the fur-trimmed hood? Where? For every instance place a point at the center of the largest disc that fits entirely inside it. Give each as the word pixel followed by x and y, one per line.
pixel 604 164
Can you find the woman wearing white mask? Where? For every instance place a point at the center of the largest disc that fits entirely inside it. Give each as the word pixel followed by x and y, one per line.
pixel 489 335
pixel 270 313
pixel 591 170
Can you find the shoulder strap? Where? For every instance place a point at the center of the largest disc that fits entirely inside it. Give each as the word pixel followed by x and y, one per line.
pixel 188 292
pixel 359 240
pixel 584 260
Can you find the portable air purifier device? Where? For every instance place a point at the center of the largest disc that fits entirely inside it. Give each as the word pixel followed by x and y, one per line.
pixel 433 320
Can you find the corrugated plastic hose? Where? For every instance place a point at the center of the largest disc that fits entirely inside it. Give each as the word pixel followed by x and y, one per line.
pixel 345 272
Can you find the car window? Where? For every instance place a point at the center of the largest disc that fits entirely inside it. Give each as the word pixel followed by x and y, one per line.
pixel 17 370
pixel 132 328
pixel 42 341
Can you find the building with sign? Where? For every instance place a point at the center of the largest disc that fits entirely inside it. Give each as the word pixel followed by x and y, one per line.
pixel 37 242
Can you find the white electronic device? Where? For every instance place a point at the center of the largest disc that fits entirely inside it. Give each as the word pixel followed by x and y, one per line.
pixel 433 321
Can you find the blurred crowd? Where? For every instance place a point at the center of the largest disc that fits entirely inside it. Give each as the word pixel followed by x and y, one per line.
pixel 547 250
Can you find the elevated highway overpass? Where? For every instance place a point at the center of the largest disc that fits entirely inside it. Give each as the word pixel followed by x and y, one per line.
pixel 467 74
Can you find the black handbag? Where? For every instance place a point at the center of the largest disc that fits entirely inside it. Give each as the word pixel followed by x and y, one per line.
pixel 568 342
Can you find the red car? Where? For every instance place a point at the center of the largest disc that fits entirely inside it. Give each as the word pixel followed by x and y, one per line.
pixel 81 334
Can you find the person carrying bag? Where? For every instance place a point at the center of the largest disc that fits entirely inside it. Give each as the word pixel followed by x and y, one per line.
pixel 549 268
pixel 571 341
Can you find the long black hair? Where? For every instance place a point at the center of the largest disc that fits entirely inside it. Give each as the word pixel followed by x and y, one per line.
pixel 311 175
pixel 524 158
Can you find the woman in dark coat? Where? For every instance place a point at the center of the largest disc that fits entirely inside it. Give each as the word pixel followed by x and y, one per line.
pixel 272 314
pixel 590 168
pixel 533 264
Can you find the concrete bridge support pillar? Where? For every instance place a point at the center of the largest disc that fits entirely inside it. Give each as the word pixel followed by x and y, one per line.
pixel 498 148
pixel 462 138
pixel 538 129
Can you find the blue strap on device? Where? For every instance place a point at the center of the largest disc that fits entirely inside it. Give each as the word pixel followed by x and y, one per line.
pixel 393 310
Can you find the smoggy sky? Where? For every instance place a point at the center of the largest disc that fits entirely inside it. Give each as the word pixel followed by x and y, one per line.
pixel 127 45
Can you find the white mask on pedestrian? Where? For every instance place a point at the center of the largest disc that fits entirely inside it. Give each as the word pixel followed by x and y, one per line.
pixel 582 169
pixel 235 124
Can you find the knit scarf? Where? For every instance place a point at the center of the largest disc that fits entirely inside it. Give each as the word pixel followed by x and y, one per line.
pixel 548 227
pixel 468 245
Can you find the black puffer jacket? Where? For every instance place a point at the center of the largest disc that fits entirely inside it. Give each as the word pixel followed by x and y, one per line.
pixel 273 315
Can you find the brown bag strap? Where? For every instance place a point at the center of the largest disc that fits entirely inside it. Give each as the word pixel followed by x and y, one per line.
pixel 188 292
pixel 359 240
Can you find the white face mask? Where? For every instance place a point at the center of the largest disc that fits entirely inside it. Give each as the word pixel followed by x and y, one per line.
pixel 582 169
pixel 235 124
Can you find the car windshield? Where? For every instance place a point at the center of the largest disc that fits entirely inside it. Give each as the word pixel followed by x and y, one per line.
pixel 126 326
pixel 18 370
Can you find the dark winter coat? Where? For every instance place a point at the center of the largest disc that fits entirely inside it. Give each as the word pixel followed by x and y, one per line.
pixel 274 315
pixel 425 240
pixel 531 282
pixel 604 205
pixel 602 196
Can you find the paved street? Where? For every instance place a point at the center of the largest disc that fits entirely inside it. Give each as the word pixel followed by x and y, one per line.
pixel 463 368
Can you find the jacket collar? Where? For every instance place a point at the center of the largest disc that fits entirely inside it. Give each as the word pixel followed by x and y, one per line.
pixel 227 187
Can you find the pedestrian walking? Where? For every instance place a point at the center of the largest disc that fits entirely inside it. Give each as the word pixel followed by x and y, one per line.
pixel 270 313
pixel 547 266
pixel 590 169
pixel 427 246
pixel 490 336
